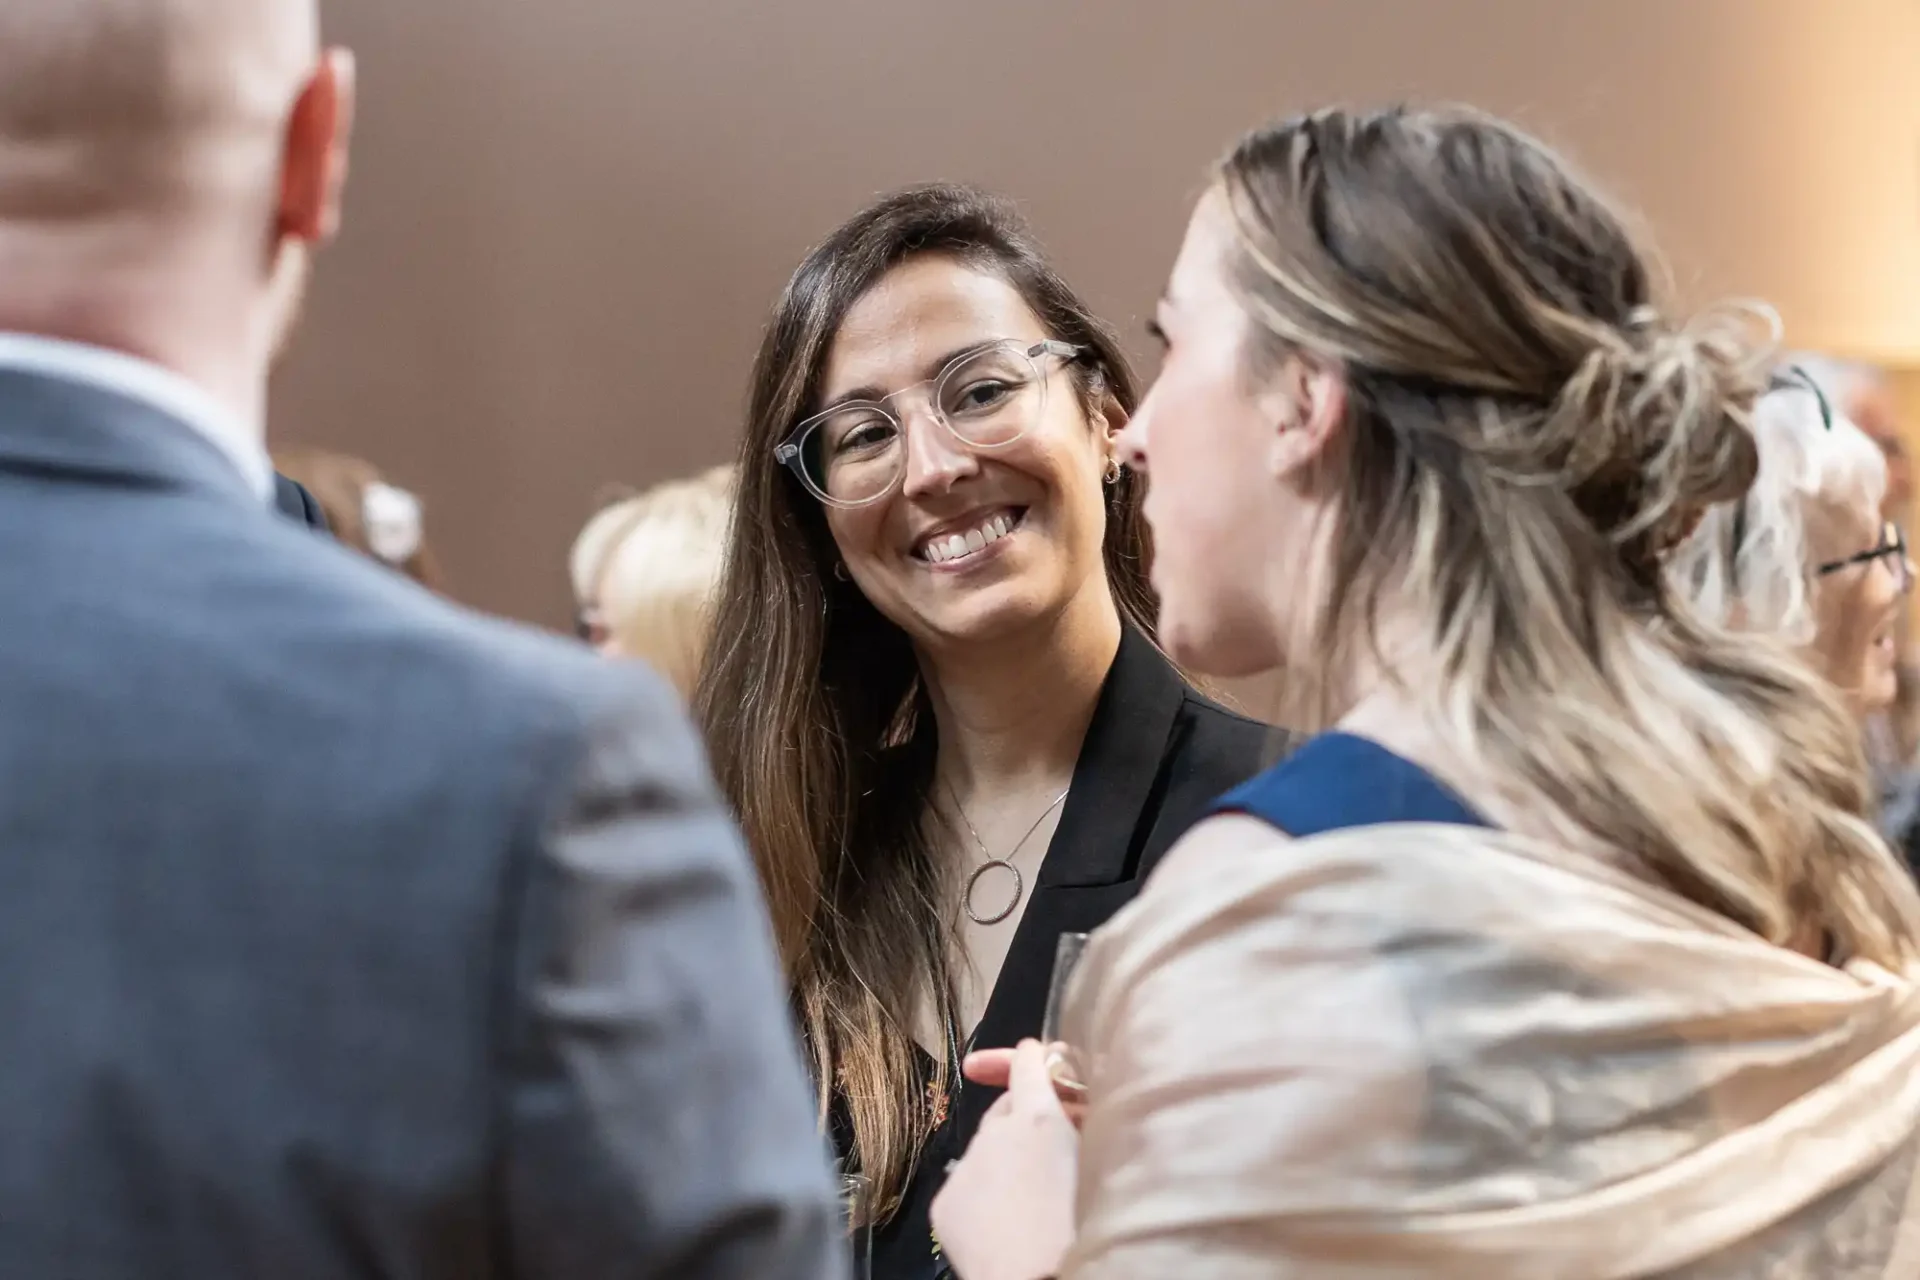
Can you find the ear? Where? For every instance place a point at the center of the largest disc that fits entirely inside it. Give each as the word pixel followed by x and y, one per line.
pixel 1306 405
pixel 314 170
pixel 1110 421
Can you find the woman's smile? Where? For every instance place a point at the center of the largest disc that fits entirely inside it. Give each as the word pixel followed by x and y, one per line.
pixel 958 546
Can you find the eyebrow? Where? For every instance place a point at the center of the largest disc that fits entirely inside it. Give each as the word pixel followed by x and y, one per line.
pixel 871 394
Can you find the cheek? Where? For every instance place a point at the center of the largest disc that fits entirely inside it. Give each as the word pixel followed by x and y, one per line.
pixel 857 533
pixel 1847 618
pixel 1199 464
pixel 1064 467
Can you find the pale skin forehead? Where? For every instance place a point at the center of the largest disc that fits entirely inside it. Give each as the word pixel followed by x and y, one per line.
pixel 1198 276
pixel 1843 518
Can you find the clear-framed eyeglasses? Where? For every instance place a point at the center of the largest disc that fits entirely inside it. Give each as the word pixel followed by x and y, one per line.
pixel 855 453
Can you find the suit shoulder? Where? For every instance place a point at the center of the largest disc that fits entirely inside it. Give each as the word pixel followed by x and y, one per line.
pixel 399 643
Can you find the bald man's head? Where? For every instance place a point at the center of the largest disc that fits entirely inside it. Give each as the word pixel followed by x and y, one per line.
pixel 165 167
pixel 110 105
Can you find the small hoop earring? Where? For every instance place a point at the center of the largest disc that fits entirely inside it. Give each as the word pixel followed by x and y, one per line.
pixel 1113 470
pixel 840 571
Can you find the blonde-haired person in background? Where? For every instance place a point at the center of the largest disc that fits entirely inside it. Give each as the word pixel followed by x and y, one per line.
pixel 1571 951
pixel 645 570
pixel 378 519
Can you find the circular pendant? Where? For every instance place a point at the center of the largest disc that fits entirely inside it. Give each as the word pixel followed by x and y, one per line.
pixel 1019 891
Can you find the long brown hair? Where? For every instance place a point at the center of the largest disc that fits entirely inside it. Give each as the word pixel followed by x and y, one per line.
pixel 1528 437
pixel 820 732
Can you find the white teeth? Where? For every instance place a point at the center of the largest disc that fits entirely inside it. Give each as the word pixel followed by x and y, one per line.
pixel 952 547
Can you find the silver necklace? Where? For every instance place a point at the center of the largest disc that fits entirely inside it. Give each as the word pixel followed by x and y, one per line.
pixel 992 863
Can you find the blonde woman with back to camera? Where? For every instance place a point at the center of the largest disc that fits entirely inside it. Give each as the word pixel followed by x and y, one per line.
pixel 1569 951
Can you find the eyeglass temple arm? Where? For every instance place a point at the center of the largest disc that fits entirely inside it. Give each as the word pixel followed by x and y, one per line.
pixel 1792 375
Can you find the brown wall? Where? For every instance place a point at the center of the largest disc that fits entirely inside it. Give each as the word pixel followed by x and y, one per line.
pixel 568 217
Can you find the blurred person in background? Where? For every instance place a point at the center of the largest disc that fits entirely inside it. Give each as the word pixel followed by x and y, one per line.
pixel 1862 394
pixel 1808 552
pixel 646 570
pixel 343 933
pixel 365 512
pixel 1570 950
pixel 934 696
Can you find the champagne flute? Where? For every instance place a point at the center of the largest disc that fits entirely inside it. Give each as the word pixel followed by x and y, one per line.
pixel 1063 1059
pixel 854 1189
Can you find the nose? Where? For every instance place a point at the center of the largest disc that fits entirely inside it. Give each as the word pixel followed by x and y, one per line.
pixel 936 458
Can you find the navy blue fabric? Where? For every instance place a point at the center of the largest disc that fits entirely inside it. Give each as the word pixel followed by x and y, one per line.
pixel 1337 781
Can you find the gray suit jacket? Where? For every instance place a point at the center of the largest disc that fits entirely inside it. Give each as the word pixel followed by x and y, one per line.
pixel 345 934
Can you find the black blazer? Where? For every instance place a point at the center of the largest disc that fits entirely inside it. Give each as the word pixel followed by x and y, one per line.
pixel 295 502
pixel 1156 755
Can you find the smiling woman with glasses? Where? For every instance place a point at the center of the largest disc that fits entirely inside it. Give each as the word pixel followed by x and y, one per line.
pixel 1806 553
pixel 935 698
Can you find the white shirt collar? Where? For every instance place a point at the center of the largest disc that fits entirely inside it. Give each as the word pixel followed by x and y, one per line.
pixel 142 380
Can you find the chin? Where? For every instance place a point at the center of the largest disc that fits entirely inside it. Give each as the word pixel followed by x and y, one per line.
pixel 1878 694
pixel 984 615
pixel 1212 647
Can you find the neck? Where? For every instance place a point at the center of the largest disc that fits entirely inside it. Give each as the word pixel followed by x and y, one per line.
pixel 1392 702
pixel 1378 691
pixel 169 309
pixel 1012 714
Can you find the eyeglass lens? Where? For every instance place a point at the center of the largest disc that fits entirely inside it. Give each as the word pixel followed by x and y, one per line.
pixel 986 400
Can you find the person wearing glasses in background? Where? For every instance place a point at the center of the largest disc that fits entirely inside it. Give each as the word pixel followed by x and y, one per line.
pixel 934 696
pixel 1864 396
pixel 1810 552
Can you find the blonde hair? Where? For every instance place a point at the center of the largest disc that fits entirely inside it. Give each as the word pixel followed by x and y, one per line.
pixel 1749 565
pixel 651 564
pixel 1528 436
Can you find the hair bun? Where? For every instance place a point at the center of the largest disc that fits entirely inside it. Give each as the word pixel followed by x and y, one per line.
pixel 1660 424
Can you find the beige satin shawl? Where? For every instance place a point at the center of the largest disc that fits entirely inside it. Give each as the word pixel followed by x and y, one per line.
pixel 1441 1051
